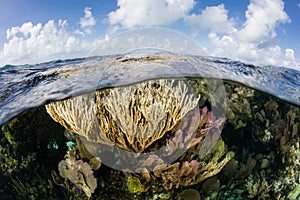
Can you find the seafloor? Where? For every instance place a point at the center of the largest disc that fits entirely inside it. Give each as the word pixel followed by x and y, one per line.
pixel 261 158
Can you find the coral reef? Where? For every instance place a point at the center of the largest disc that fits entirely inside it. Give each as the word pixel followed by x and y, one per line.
pixel 25 160
pixel 79 173
pixel 233 171
pixel 194 171
pixel 238 108
pixel 277 127
pixel 131 117
pixel 211 90
pixel 211 184
pixel 258 189
pixel 126 116
pixel 135 185
pixel 183 173
pixel 190 194
pixel 195 160
pixel 191 166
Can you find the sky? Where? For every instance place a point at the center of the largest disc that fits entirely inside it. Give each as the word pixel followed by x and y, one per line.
pixel 260 32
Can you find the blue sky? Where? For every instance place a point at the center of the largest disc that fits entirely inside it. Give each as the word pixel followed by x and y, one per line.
pixel 254 31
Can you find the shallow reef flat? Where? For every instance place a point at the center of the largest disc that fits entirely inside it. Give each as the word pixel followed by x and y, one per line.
pixel 207 139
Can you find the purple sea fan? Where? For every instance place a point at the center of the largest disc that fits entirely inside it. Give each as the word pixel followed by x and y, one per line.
pixel 210 128
pixel 208 121
pixel 202 129
pixel 181 142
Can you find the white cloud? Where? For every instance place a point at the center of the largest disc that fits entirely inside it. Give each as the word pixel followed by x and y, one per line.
pixel 262 17
pixel 88 19
pixel 213 18
pixel 228 46
pixel 41 42
pixel 247 43
pixel 141 13
pixel 299 5
pixel 31 43
pixel 86 22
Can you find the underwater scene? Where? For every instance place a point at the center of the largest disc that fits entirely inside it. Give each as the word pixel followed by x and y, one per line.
pixel 149 126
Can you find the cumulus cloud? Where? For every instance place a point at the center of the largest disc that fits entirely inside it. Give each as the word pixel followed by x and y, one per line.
pixel 31 43
pixel 140 13
pixel 87 22
pixel 251 43
pixel 227 46
pixel 213 18
pixel 262 16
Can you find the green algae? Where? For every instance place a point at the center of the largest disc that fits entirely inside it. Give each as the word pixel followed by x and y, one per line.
pixel 134 185
pixel 11 162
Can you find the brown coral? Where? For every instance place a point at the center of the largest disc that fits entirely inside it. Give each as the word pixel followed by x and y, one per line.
pixel 131 117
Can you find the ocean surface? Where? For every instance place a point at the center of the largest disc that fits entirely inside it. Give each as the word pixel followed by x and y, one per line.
pixel 28 86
